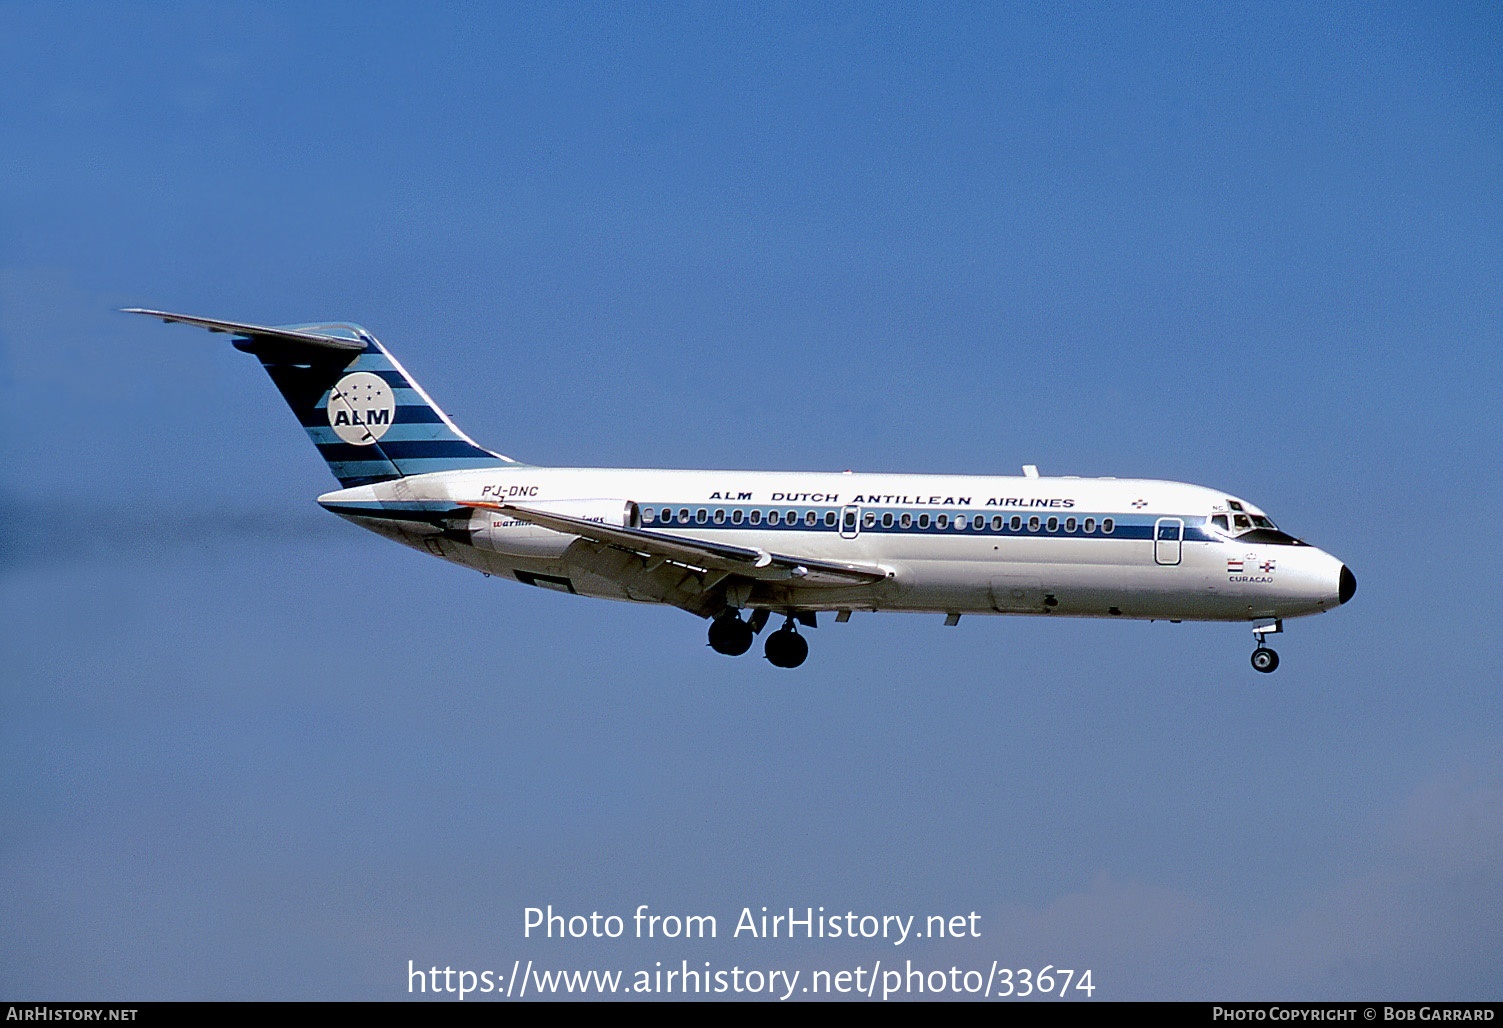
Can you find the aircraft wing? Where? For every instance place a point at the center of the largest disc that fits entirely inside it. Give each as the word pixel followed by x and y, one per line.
pixel 743 561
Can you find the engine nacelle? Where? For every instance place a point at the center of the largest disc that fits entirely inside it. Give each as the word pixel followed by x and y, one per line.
pixel 501 532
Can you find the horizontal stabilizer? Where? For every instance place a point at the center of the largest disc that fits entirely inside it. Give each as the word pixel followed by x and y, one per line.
pixel 332 345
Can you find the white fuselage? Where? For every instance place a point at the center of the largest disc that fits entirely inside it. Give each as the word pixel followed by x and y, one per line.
pixel 953 544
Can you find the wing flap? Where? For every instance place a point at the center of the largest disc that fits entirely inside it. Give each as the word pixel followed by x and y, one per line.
pixel 652 582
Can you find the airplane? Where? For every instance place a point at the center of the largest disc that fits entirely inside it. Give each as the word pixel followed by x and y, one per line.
pixel 788 544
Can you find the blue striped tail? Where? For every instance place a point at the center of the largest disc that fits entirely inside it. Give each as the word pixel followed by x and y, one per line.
pixel 370 421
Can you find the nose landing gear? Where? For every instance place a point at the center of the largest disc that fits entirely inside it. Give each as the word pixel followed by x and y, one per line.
pixel 1263 658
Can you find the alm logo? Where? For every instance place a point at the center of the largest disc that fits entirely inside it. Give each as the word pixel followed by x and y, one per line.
pixel 361 407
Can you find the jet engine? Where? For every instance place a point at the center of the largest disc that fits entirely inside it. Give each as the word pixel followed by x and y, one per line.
pixel 503 532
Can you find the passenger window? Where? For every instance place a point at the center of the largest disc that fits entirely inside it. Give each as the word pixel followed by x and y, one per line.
pixel 1108 525
pixel 683 515
pixel 810 518
pixel 887 520
pixel 943 521
pixel 829 519
pixel 868 519
pixel 646 515
pixel 1069 524
pixel 906 521
pixel 755 517
pixel 978 522
pixel 997 523
pixel 1033 523
pixel 701 515
pixel 1053 525
pixel 923 520
pixel 719 515
pixel 773 517
pixel 1089 526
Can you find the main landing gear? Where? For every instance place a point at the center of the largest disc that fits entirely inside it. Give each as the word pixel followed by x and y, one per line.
pixel 730 635
pixel 733 637
pixel 785 647
pixel 1263 658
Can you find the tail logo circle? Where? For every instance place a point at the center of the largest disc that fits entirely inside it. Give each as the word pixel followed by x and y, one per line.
pixel 361 408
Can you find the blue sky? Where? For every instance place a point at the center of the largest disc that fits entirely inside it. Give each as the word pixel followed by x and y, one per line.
pixel 248 751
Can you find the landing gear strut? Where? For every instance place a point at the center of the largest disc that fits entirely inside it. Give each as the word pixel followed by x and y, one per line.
pixel 785 647
pixel 1263 658
pixel 730 635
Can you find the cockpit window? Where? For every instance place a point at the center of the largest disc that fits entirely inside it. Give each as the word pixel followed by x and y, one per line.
pixel 1251 528
pixel 1270 535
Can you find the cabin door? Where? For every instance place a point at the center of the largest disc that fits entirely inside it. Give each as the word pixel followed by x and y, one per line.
pixel 1168 540
pixel 850 522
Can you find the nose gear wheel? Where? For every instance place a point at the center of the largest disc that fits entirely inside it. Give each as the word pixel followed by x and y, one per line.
pixel 1263 658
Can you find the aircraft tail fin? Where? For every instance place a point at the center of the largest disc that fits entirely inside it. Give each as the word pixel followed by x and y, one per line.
pixel 369 419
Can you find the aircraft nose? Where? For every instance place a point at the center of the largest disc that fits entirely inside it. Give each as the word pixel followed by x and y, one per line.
pixel 1348 587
